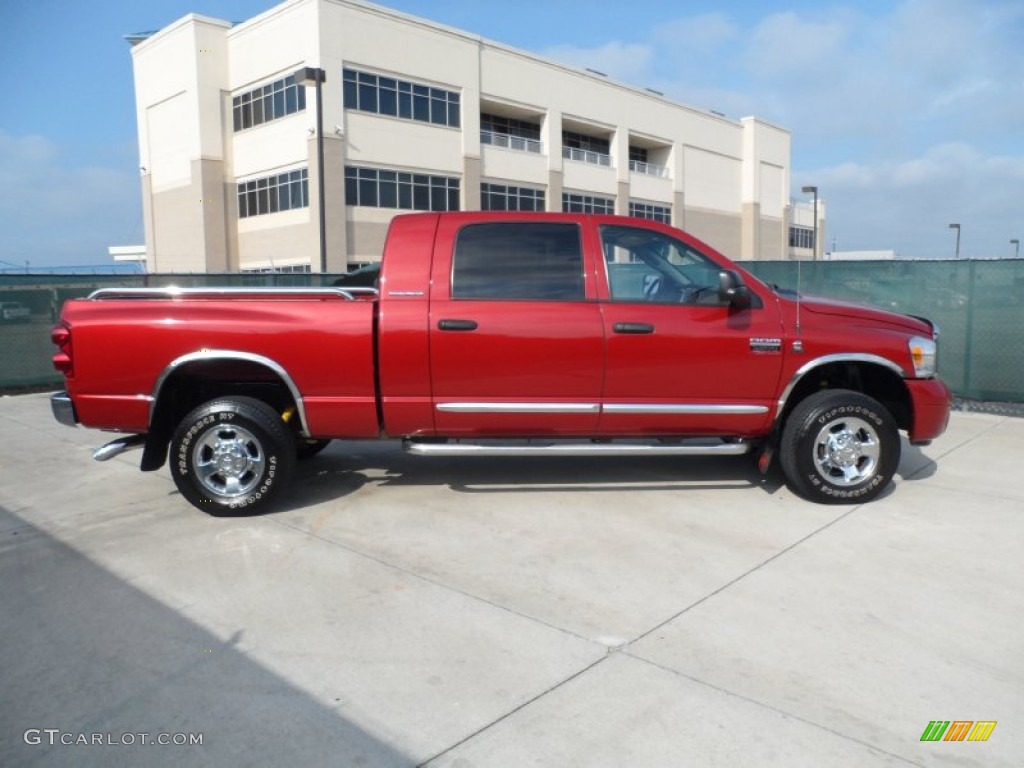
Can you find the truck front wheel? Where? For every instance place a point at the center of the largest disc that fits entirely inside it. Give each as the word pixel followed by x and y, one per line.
pixel 232 456
pixel 839 447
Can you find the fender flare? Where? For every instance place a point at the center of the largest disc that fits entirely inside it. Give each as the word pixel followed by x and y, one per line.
pixel 818 362
pixel 205 355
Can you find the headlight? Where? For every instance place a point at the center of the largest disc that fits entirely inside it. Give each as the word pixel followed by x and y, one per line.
pixel 922 353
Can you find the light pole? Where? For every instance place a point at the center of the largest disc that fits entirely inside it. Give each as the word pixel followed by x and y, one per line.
pixel 316 76
pixel 1016 248
pixel 957 228
pixel 814 238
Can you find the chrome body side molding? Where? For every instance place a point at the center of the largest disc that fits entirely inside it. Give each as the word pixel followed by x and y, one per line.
pixel 519 407
pixel 699 409
pixel 664 409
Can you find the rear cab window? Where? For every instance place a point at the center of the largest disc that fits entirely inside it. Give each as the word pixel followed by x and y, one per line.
pixel 529 260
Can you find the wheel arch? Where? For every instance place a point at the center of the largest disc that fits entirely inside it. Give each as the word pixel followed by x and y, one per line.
pixel 198 377
pixel 871 375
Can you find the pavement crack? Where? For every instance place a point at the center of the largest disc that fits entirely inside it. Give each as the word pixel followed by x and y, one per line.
pixel 772 708
pixel 744 575
pixel 957 447
pixel 513 711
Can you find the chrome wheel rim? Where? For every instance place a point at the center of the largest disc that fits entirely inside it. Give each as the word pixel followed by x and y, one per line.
pixel 228 461
pixel 847 451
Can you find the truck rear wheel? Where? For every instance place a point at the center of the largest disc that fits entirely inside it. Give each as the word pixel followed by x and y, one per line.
pixel 839 447
pixel 232 456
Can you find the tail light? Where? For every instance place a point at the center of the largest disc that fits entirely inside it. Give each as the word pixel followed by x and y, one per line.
pixel 61 336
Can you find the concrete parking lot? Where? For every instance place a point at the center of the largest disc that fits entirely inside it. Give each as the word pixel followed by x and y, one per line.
pixel 402 611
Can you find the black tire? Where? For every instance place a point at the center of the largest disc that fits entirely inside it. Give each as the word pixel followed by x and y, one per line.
pixel 232 456
pixel 307 449
pixel 839 447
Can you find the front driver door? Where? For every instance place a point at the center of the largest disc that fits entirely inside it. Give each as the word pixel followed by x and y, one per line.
pixel 679 359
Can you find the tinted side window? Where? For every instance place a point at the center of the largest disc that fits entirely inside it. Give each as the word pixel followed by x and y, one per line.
pixel 644 265
pixel 518 260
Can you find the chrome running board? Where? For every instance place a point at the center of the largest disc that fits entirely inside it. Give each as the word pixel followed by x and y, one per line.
pixel 527 448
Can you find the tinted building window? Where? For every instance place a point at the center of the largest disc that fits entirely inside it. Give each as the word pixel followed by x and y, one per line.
pixel 501 197
pixel 268 102
pixel 367 92
pixel 509 126
pixel 587 143
pixel 382 188
pixel 573 202
pixel 520 260
pixel 801 237
pixel 280 192
pixel 660 213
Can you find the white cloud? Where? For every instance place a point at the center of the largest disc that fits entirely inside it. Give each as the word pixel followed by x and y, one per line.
pixel 906 116
pixel 785 44
pixel 55 213
pixel 629 62
pixel 695 36
pixel 908 205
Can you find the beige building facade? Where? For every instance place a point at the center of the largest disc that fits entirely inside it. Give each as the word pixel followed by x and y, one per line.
pixel 417 116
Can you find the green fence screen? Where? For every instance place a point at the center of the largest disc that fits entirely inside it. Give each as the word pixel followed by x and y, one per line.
pixel 979 305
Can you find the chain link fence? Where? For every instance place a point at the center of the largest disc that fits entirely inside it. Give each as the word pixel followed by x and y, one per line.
pixel 979 305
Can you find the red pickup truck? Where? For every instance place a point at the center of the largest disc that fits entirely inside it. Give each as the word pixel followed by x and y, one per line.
pixel 504 334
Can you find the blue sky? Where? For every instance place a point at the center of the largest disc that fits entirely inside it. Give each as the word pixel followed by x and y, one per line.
pixel 907 115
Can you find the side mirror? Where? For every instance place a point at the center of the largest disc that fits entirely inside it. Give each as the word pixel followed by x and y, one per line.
pixel 732 291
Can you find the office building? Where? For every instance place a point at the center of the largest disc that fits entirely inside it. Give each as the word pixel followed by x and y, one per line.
pixel 416 116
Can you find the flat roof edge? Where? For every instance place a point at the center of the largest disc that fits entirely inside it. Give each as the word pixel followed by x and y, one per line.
pixel 142 39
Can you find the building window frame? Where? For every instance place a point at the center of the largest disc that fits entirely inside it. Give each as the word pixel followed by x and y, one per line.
pixel 379 94
pixel 510 133
pixel 367 187
pixel 639 209
pixel 508 197
pixel 277 192
pixel 801 237
pixel 268 102
pixel 584 202
pixel 584 148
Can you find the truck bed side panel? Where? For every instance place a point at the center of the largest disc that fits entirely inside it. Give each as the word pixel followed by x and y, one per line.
pixel 123 346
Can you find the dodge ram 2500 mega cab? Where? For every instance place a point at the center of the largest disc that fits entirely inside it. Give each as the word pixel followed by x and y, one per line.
pixel 510 334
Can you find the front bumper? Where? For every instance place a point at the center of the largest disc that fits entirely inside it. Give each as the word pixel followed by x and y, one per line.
pixel 63 409
pixel 932 403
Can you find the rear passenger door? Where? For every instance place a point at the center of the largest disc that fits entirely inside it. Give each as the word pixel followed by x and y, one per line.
pixel 516 336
